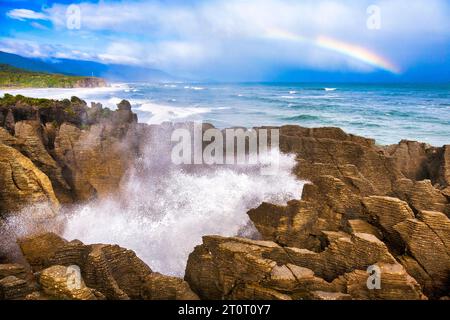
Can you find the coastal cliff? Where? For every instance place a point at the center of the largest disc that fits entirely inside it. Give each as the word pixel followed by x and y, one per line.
pixel 11 77
pixel 363 205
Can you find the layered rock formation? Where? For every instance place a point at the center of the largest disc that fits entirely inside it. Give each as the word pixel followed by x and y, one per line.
pixel 83 151
pixel 60 269
pixel 365 208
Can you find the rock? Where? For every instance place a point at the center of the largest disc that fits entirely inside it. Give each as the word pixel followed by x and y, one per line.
pixel 287 225
pixel 412 158
pixel 33 145
pixel 60 283
pixel 216 268
pixel 23 184
pixel 84 151
pixel 327 151
pixel 387 212
pixel 7 139
pixel 94 160
pixel 40 250
pixel 161 287
pixel 444 169
pixel 357 251
pixel 427 240
pixel 422 195
pixel 114 271
pixel 361 226
pixel 325 205
pixel 124 105
pixel 12 288
pixel 321 295
pixel 13 269
pixel 90 82
pixel 395 284
pixel 237 268
pixel 417 272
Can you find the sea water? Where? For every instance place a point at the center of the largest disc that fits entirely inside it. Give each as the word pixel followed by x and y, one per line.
pixel 386 112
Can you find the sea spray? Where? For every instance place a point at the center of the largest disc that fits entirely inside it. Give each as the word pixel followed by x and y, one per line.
pixel 163 210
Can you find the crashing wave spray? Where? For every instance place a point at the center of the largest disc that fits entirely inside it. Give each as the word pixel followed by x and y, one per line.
pixel 163 210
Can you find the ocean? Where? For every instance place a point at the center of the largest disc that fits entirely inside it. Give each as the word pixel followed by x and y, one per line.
pixel 386 112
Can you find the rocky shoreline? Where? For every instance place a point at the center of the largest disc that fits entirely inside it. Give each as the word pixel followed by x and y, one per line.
pixel 364 205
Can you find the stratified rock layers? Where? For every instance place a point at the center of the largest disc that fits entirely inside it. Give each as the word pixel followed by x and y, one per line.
pixel 365 211
pixel 365 208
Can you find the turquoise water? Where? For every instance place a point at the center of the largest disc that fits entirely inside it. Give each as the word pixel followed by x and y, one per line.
pixel 387 113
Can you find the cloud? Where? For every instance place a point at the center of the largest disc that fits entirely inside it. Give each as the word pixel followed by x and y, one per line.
pixel 232 37
pixel 25 14
pixel 38 25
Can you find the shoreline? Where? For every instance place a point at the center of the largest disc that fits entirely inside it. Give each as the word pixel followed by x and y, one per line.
pixel 355 205
pixel 176 113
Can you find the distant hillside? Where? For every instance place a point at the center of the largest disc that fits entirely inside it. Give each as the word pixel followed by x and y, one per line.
pixel 113 72
pixel 12 77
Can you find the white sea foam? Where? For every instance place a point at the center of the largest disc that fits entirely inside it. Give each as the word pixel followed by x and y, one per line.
pixel 288 97
pixel 161 113
pixel 194 88
pixel 330 89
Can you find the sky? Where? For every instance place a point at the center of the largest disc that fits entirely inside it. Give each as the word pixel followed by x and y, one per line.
pixel 241 40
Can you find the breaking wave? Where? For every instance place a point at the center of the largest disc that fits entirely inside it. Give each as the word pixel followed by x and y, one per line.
pixel 161 113
pixel 161 211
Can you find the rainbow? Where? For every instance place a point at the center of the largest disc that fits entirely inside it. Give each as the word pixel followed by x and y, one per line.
pixel 358 53
pixel 353 51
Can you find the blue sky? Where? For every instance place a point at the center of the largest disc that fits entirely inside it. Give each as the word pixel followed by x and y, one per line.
pixel 242 40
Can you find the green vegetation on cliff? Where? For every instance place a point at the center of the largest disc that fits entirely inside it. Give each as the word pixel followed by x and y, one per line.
pixel 11 77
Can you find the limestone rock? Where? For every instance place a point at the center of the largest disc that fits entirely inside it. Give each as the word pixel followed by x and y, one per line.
pixel 412 158
pixel 61 283
pixel 336 150
pixel 237 268
pixel 161 287
pixel 13 269
pixel 418 273
pixel 388 212
pixel 22 183
pixel 444 169
pixel 95 160
pixel 287 225
pixel 12 288
pixel 395 284
pixel 7 139
pixel 427 240
pixel 321 295
pixel 422 195
pixel 362 226
pixel 114 271
pixel 33 144
pixel 345 254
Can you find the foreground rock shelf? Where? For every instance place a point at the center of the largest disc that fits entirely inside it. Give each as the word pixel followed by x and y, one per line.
pixel 364 205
